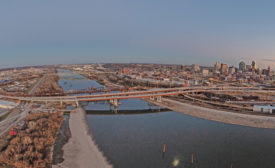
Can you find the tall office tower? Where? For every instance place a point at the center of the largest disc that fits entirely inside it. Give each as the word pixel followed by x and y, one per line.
pixel 242 66
pixel 254 65
pixel 268 71
pixel 232 70
pixel 248 68
pixel 224 68
pixel 218 66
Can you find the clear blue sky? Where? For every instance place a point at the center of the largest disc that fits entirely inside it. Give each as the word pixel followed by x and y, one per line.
pixel 157 31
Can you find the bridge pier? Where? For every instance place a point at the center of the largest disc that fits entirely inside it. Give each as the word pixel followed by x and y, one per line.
pixel 159 99
pixel 114 102
pixel 76 102
pixel 61 102
pixel 113 108
pixel 113 105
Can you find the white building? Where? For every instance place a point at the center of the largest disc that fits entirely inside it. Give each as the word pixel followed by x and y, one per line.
pixel 264 109
pixel 205 72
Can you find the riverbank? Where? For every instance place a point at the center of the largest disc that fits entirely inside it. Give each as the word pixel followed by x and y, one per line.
pixel 218 115
pixel 81 150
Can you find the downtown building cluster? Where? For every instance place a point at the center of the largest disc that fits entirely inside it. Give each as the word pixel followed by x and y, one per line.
pixel 194 75
pixel 243 68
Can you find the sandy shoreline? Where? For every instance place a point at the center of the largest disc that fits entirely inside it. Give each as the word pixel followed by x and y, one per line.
pixel 218 115
pixel 81 151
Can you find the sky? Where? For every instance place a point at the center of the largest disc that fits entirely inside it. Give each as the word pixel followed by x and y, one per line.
pixel 34 32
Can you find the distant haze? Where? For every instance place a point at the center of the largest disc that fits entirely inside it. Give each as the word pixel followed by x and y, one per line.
pixel 36 32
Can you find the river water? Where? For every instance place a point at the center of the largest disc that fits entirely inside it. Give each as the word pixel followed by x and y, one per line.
pixel 136 141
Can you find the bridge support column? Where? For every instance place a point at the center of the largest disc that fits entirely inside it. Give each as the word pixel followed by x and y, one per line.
pixel 114 102
pixel 113 105
pixel 76 102
pixel 113 108
pixel 159 99
pixel 61 102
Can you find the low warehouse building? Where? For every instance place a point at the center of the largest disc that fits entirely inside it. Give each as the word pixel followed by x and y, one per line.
pixel 264 109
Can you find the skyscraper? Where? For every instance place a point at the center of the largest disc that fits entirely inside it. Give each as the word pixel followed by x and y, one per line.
pixel 254 65
pixel 224 68
pixel 232 70
pixel 242 66
pixel 218 66
pixel 268 71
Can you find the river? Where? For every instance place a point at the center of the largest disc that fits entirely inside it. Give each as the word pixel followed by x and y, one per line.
pixel 136 141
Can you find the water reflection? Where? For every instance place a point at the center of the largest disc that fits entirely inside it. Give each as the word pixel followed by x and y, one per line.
pixel 72 81
pixel 137 141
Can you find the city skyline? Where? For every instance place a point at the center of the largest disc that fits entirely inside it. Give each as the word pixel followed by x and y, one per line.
pixel 181 32
pixel 104 83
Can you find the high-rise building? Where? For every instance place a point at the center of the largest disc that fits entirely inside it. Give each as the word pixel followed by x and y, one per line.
pixel 242 66
pixel 218 66
pixel 232 70
pixel 268 71
pixel 248 68
pixel 254 65
pixel 259 71
pixel 224 68
pixel 205 72
pixel 196 68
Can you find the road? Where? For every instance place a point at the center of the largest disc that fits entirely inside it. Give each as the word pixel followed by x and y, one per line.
pixel 137 94
pixel 32 91
pixel 12 121
pixel 8 123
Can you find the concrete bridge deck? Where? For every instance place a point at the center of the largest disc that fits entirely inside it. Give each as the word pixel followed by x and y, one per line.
pixel 152 93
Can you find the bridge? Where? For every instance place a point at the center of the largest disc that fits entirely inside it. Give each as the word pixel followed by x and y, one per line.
pixel 153 94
